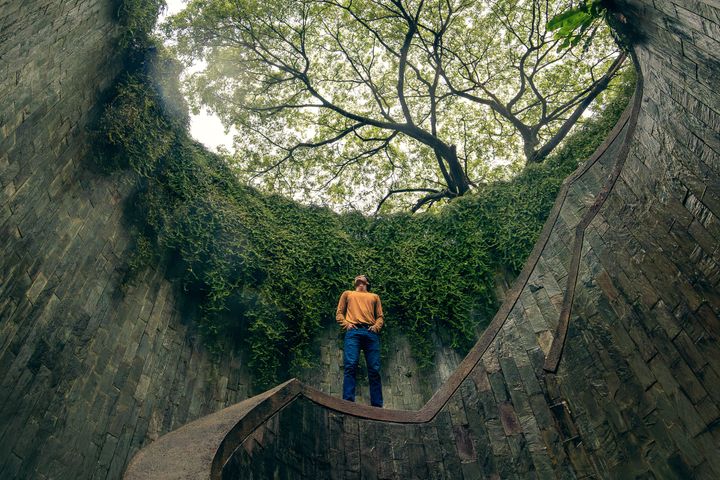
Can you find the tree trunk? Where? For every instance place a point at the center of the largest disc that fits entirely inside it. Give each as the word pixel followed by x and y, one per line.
pixel 459 179
pixel 454 174
pixel 530 143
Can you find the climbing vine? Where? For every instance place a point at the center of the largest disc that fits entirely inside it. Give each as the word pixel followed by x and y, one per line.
pixel 266 272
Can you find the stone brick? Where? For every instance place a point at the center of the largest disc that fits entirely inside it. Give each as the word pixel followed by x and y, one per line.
pixel 637 392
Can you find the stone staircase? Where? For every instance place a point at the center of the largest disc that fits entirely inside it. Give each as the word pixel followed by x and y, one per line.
pixel 625 385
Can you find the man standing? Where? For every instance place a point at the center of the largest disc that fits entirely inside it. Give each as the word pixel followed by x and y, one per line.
pixel 360 313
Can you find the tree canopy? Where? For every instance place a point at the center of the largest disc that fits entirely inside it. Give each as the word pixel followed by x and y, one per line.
pixel 352 101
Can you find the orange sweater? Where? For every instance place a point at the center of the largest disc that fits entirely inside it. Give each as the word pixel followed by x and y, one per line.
pixel 359 307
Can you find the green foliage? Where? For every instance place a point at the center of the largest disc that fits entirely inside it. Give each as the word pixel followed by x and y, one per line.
pixel 138 18
pixel 135 127
pixel 314 89
pixel 267 272
pixel 571 25
pixel 143 253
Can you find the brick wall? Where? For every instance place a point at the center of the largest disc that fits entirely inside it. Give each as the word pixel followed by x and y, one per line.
pixel 88 372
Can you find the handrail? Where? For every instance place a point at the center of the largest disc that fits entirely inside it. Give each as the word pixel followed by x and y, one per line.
pixel 552 361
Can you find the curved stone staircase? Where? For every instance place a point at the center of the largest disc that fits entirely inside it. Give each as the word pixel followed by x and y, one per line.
pixel 603 362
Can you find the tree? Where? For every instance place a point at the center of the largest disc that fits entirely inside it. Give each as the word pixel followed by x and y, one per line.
pixel 542 109
pixel 383 97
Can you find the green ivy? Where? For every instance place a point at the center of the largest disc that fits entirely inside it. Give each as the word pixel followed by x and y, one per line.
pixel 580 23
pixel 573 24
pixel 137 19
pixel 267 272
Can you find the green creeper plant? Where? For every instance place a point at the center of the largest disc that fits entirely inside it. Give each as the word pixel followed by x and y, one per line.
pixel 265 272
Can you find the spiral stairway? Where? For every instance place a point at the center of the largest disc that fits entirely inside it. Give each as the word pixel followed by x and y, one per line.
pixel 603 361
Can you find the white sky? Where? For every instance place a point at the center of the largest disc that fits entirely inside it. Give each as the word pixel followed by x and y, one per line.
pixel 205 127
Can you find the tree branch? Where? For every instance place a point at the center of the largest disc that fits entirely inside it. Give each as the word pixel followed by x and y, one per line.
pixel 599 86
pixel 403 190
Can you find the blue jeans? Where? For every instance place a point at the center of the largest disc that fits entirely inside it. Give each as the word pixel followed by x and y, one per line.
pixel 355 340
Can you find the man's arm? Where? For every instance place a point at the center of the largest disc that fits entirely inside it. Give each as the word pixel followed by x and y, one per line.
pixel 342 309
pixel 379 319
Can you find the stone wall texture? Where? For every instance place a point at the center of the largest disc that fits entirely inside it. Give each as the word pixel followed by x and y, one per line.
pixel 637 390
pixel 91 371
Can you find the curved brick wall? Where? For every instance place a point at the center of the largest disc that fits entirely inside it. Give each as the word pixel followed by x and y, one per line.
pixel 90 373
pixel 636 392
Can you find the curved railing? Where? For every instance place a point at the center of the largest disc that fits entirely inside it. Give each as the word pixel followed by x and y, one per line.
pixel 202 448
pixel 553 358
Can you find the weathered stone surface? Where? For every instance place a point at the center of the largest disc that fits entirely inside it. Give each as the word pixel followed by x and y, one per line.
pixel 90 373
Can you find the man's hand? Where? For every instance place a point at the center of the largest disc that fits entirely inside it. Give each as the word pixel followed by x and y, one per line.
pixel 348 326
pixel 373 328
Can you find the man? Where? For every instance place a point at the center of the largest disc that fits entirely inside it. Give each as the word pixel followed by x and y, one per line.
pixel 360 313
